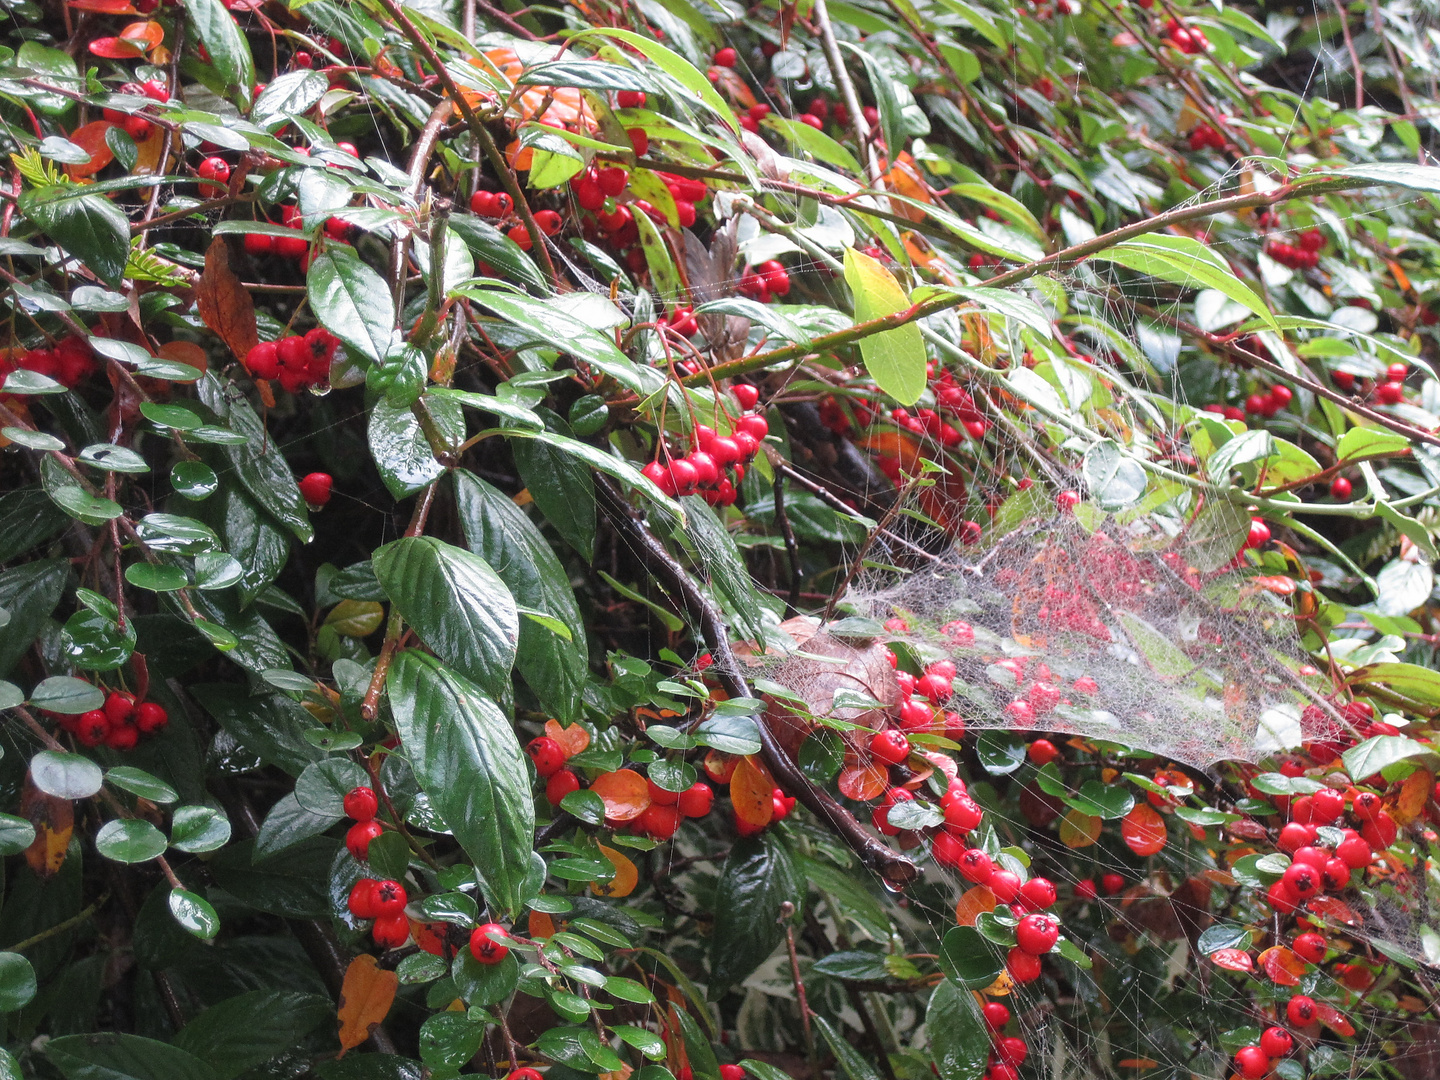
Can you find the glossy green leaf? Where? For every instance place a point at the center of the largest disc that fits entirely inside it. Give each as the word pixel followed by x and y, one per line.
pixel 229 51
pixel 958 1036
pixel 757 877
pixel 197 829
pixel 17 982
pixel 249 1029
pixel 894 358
pixel 115 1056
pixel 139 782
pixel 129 840
pixel 66 776
pixel 467 759
pixel 351 301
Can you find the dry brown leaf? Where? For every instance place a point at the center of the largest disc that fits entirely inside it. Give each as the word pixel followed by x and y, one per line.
pixel 365 999
pixel 224 304
pixel 54 821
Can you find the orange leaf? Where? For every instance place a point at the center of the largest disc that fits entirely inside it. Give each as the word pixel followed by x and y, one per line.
pixel 1282 965
pixel 147 34
pixel 1144 830
pixel 1414 794
pixel 1004 983
pixel 625 793
pixel 54 821
pixel 972 902
pixel 1332 907
pixel 91 138
pixel 1079 830
pixel 1233 959
pixel 541 925
pixel 751 790
pixel 625 879
pixel 863 782
pixel 1137 1063
pixel 572 739
pixel 1334 1019
pixel 224 303
pixel 365 998
pixel 117 48
pixel 105 7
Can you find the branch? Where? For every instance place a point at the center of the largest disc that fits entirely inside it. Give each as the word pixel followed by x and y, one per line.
pixel 897 870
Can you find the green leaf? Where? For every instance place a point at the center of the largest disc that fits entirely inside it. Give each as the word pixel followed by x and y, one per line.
pixel 90 227
pixel 560 483
pixel 112 1056
pixel 398 444
pixel 139 782
pixel 271 726
pixel 958 1036
pixel 194 480
pixel 457 604
pixel 66 493
pixel 129 840
pixel 1215 535
pixel 1418 683
pixel 894 358
pixel 17 982
pixel 757 878
pixel 1375 754
pixel 968 959
pixel 254 542
pixel 258 462
pixel 1363 441
pixel 155 577
pixel 485 984
pixel 287 823
pixel 16 834
pixel 852 1063
pixel 674 65
pixel 198 829
pixel 1390 173
pixel 229 52
pixel 66 776
pixel 448 1040
pixel 467 759
pixel 248 1030
pixel 289 95
pixel 322 787
pixel 351 301
pixel 29 593
pixel 1115 480
pixel 504 536
pixel 194 914
pixel 1000 752
pixel 548 322
pixel 1185 261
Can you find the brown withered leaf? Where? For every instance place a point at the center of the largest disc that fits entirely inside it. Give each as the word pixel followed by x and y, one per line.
pixel 365 999
pixel 225 306
pixel 54 821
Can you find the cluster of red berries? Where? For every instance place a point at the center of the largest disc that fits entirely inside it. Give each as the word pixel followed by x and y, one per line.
pixel 1314 869
pixel 1392 391
pixel 287 247
pixel 660 820
pixel 135 124
pixel 950 398
pixel 69 363
pixel 1270 402
pixel 361 805
pixel 1188 39
pixel 704 470
pixel 298 361
pixel 1304 255
pixel 609 221
pixel 1204 136
pixel 1257 1062
pixel 384 901
pixel 1007 1053
pixel 768 279
pixel 119 723
pixel 1109 885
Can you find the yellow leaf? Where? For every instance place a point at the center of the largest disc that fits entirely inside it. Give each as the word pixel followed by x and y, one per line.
pixel 894 358
pixel 626 876
pixel 751 791
pixel 355 618
pixel 54 821
pixel 1079 830
pixel 365 998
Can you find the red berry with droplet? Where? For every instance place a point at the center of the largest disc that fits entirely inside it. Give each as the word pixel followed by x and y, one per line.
pixel 363 903
pixel 315 488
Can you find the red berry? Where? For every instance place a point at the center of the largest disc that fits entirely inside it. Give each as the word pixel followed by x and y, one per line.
pixel 639 141
pixel 890 746
pixel 361 803
pixel 549 222
pixel 1397 371
pixel 660 821
pixel 1110 884
pixel 725 57
pixel 811 120
pixel 155 90
pixel 1023 966
pixel 1037 934
pixel 122 737
pixel 1004 884
pixel 1340 489
pixel 484 948
pixel 1085 889
pixel 747 394
pixel 1282 898
pixel 935 687
pixel 696 800
pixel 975 866
pixel 1335 875
pixel 1012 1051
pixel 359 835
pixel 1042 751
pixel 731 1072
pixel 1251 1062
pixel 217 170
pixel 549 758
pixel 94 726
pixel 1309 946
pixel 1390 393
pixel 947 850
pixel 391 931
pixel 315 488
pixel 1300 1011
pixel 612 180
pixel 660 796
pixel 390 897
pixel 150 716
pixel 996 1015
pixel 1302 879
pixel 483 203
pixel 1259 534
pixel 560 785
pixel 119 706
pixel 963 815
pixel 258 244
pixel 1311 856
pixel 1038 892
pixel 1276 1042
pixel 1354 852
pixel 528 1073
pixel 1367 805
pixel 630 99
pixel 363 903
